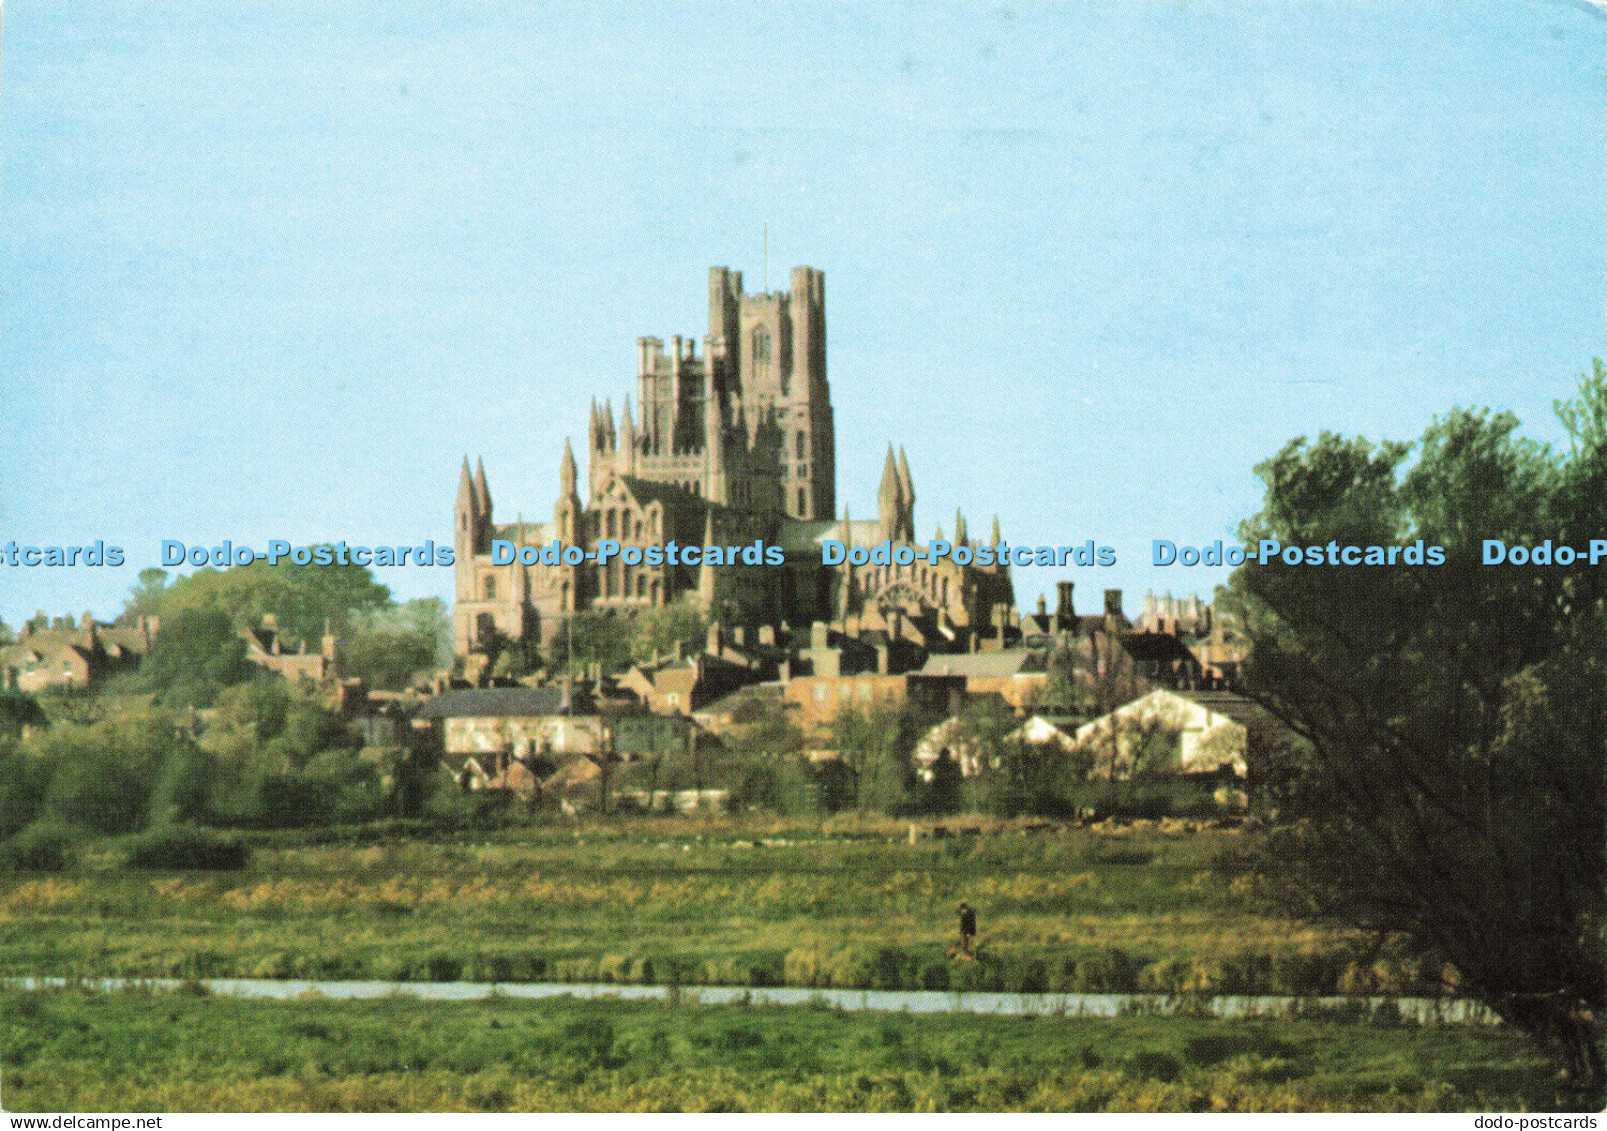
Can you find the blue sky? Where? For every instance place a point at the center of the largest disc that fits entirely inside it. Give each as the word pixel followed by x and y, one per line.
pixel 270 270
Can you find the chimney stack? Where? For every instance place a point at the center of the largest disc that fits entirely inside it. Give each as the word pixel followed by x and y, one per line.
pixel 1113 610
pixel 1065 611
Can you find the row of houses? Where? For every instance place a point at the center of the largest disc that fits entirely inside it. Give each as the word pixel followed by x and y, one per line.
pixel 1068 679
pixel 1126 679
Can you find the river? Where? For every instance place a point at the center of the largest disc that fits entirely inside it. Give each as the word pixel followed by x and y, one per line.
pixel 1422 1010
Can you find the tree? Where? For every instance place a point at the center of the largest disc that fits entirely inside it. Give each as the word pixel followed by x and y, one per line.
pixel 196 654
pixel 266 722
pixel 655 632
pixel 593 636
pixel 102 775
pixel 877 744
pixel 1452 798
pixel 145 598
pixel 301 598
pixel 385 647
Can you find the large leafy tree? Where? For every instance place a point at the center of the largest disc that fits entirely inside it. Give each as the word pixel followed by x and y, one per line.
pixel 1452 801
pixel 196 654
pixel 655 632
pixel 386 647
pixel 592 636
pixel 302 598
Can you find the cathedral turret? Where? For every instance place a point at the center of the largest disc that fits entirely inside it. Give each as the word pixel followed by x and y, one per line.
pixel 521 573
pixel 715 484
pixel 906 498
pixel 472 513
pixel 705 575
pixel 627 446
pixel 467 507
pixel 889 498
pixel 482 492
pixel 959 528
pixel 566 514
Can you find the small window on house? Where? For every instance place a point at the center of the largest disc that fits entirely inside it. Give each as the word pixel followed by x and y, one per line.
pixel 490 589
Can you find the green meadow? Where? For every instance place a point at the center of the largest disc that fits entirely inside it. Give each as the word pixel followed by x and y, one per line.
pixel 74 1051
pixel 848 903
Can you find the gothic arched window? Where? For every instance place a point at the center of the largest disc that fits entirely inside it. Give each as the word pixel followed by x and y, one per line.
pixel 490 589
pixel 761 351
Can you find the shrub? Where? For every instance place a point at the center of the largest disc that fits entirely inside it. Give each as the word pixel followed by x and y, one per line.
pixel 1111 971
pixel 444 968
pixel 804 967
pixel 23 781
pixel 38 848
pixel 186 847
pixel 1152 1065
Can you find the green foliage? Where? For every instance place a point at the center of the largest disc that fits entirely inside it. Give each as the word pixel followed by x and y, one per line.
pixel 226 1054
pixel 385 647
pixel 591 636
pixel 656 631
pixel 781 783
pixel 300 598
pixel 145 598
pixel 1063 693
pixel 1140 798
pixel 1026 780
pixel 282 800
pixel 267 721
pixel 877 744
pixel 102 774
pixel 1454 794
pixel 764 729
pixel 18 709
pixel 186 848
pixel 23 782
pixel 196 654
pixel 185 787
pixel 39 848
pixel 351 786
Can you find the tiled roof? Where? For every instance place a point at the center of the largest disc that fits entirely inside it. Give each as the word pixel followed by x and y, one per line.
pixel 504 702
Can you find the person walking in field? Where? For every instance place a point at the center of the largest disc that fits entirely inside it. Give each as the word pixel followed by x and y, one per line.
pixel 967 928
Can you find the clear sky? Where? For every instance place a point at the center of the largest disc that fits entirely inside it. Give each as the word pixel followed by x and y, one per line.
pixel 271 269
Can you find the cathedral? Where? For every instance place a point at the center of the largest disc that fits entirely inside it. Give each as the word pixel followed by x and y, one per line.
pixel 730 446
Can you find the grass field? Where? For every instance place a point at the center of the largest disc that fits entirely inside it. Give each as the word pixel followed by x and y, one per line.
pixel 845 904
pixel 72 1051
